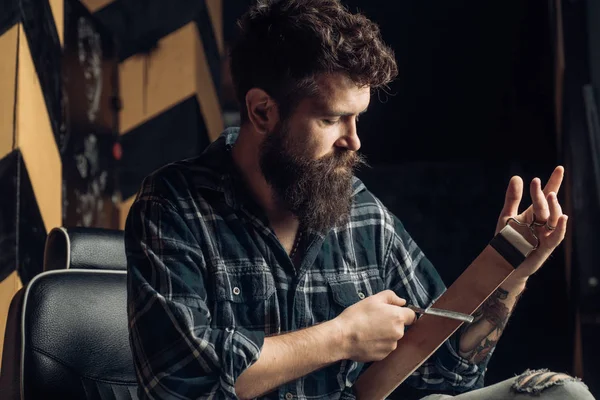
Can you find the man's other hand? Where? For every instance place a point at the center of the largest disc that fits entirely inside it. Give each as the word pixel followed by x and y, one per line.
pixel 372 327
pixel 551 223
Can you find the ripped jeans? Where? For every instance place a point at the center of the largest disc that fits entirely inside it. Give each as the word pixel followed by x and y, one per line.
pixel 539 384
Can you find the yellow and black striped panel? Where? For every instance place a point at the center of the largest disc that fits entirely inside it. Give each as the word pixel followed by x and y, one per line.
pixel 170 107
pixel 175 70
pixel 8 81
pixel 9 279
pixel 30 167
pixel 138 24
pixel 215 11
pixel 30 135
pixel 177 133
pixel 169 82
pixel 58 12
pixel 36 19
pixel 35 139
pixel 22 232
pixel 31 129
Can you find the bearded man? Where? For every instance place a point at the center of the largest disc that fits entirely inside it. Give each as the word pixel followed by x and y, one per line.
pixel 264 269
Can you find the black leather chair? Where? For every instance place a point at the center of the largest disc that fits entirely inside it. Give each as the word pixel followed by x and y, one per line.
pixel 85 248
pixel 67 336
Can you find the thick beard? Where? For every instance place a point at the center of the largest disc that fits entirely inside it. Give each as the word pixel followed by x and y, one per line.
pixel 318 192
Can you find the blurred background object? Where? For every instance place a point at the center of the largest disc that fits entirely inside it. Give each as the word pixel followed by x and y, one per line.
pixel 96 95
pixel 89 133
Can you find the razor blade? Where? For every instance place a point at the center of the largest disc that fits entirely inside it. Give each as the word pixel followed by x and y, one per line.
pixel 442 313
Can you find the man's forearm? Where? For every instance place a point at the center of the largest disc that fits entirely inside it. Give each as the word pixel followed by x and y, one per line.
pixel 290 356
pixel 480 337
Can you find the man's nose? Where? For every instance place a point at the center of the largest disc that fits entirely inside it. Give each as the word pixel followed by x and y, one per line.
pixel 350 139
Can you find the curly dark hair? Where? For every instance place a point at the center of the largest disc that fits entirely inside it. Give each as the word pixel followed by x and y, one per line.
pixel 283 45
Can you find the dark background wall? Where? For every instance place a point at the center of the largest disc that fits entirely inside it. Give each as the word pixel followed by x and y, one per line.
pixel 475 78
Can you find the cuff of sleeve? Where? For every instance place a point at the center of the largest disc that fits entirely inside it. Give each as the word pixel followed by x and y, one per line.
pixel 241 350
pixel 454 368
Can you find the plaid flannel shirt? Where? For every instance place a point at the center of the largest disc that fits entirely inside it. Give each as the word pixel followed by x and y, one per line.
pixel 208 281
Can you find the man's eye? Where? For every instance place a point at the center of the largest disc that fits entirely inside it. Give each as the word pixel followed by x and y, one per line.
pixel 330 121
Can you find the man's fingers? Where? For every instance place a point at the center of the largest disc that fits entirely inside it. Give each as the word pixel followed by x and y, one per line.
pixel 555 209
pixel 514 193
pixel 561 228
pixel 408 316
pixel 540 204
pixel 553 184
pixel 392 298
pixel 558 234
pixel 552 240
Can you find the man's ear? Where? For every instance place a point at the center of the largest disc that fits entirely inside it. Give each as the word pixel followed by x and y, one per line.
pixel 262 110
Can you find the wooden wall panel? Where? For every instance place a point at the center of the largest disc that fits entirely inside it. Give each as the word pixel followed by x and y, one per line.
pixel 153 83
pixel 58 12
pixel 207 92
pixel 171 70
pixel 175 70
pixel 36 141
pixel 8 73
pixel 131 85
pixel 215 9
pixel 31 132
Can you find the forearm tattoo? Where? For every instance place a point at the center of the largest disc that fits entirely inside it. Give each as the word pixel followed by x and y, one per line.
pixel 494 310
pixel 486 329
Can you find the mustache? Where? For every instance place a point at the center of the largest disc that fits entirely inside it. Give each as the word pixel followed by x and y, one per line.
pixel 347 159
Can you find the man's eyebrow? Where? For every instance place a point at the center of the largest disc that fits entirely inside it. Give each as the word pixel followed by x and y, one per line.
pixel 334 113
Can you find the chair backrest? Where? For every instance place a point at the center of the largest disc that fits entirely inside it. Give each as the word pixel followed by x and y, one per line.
pixel 67 337
pixel 86 248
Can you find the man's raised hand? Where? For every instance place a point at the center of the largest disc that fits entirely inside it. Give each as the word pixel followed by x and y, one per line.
pixel 551 223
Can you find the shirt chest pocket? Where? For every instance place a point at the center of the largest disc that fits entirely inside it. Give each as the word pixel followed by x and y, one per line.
pixel 348 289
pixel 245 299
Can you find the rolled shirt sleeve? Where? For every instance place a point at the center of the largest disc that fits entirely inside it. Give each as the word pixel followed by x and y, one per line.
pixel 177 352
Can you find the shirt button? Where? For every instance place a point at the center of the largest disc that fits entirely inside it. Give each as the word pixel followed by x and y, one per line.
pixel 236 290
pixel 289 396
pixel 361 295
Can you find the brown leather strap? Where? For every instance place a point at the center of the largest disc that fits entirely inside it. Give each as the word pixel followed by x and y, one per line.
pixel 497 261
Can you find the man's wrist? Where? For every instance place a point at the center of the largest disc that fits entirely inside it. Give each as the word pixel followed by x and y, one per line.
pixel 515 283
pixel 337 339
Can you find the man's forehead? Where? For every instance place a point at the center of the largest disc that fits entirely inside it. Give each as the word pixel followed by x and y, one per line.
pixel 338 93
